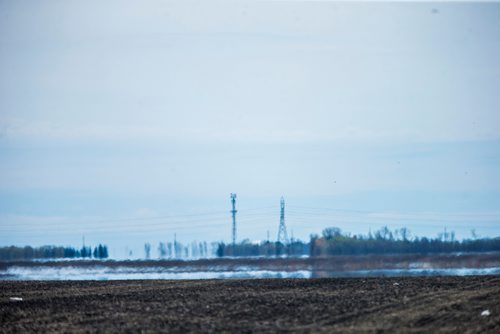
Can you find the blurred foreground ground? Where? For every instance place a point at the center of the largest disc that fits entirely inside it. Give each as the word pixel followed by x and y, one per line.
pixel 422 304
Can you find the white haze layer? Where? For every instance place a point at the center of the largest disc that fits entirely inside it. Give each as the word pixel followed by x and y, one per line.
pixel 124 273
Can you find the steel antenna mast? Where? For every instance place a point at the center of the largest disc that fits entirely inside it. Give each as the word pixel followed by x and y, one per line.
pixel 233 213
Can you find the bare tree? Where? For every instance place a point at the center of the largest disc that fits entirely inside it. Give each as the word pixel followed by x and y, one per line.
pixel 162 250
pixel 147 250
pixel 405 233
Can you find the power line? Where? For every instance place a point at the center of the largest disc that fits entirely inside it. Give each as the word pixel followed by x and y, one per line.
pixel 260 216
pixel 400 217
pixel 495 215
pixel 185 217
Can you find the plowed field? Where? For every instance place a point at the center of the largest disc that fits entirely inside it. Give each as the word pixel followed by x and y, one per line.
pixel 347 305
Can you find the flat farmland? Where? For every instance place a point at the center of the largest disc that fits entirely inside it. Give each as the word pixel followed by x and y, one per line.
pixel 334 305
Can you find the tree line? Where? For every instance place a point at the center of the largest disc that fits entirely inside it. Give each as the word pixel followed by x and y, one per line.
pixel 52 252
pixel 263 249
pixel 177 250
pixel 383 241
pixel 332 241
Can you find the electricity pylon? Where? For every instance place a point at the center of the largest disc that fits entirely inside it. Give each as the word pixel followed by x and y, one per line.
pixel 282 235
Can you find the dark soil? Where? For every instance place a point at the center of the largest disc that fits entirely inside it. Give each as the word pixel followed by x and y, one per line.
pixel 426 304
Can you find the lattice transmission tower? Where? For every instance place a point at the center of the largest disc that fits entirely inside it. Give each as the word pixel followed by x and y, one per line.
pixel 282 235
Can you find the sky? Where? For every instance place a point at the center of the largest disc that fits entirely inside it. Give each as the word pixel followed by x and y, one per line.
pixel 128 122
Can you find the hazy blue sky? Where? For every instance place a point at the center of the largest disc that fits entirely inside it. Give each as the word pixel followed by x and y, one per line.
pixel 115 114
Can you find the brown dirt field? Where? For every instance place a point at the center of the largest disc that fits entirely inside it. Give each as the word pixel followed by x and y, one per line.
pixel 348 305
